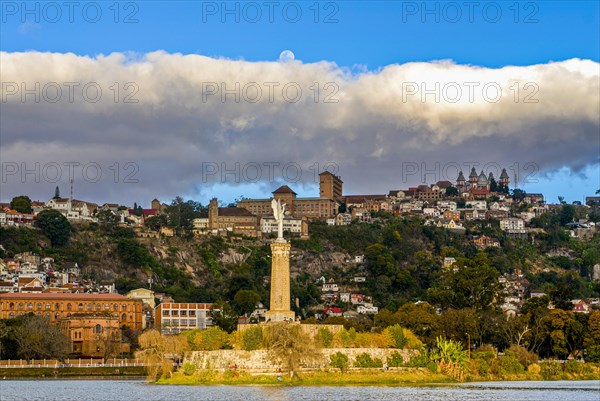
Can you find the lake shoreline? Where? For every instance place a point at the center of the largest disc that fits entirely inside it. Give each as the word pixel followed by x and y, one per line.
pixel 417 378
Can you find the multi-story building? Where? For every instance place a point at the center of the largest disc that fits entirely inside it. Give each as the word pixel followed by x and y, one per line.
pixel 484 242
pixel 94 336
pixel 311 208
pixel 293 225
pixel 330 186
pixel 91 321
pixel 143 294
pixel 10 217
pixel 60 306
pixel 232 219
pixel 174 318
pixel 512 224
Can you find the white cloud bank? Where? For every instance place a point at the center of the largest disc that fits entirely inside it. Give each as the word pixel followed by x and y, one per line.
pixel 368 123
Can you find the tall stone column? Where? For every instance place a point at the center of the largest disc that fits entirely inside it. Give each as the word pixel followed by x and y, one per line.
pixel 280 283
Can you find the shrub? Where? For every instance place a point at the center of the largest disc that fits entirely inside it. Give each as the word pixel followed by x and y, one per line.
pixel 365 360
pixel 479 366
pixel 418 361
pixel 395 360
pixel 534 369
pixel 339 361
pixel 573 366
pixel 325 337
pixel 189 368
pixel 252 338
pixel 550 369
pixel 525 357
pixel 507 365
pixel 593 354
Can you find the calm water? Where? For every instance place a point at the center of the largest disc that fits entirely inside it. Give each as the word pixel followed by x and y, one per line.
pixel 113 390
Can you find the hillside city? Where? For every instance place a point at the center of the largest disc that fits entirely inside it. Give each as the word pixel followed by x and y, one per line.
pixel 466 254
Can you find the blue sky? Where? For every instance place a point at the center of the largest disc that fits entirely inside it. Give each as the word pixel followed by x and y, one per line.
pixel 352 34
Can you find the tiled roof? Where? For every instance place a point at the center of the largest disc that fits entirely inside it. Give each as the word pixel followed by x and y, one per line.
pixel 284 189
pixel 82 297
pixel 234 211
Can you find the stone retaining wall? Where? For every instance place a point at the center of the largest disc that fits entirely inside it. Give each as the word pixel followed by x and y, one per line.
pixel 259 361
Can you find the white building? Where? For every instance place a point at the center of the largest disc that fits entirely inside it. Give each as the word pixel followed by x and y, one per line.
pixel 268 225
pixel 367 309
pixel 477 204
pixel 512 224
pixel 446 205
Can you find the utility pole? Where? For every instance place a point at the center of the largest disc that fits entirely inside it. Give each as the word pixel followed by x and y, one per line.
pixel 468 345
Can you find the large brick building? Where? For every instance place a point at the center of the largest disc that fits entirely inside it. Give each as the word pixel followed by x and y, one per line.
pixel 91 321
pixel 232 219
pixel 330 186
pixel 312 208
pixel 127 311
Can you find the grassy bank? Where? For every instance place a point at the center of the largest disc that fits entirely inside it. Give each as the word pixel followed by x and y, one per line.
pixel 320 378
pixel 375 377
pixel 71 372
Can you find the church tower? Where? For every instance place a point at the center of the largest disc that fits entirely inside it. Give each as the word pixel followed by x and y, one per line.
pixel 473 179
pixel 504 180
pixel 213 214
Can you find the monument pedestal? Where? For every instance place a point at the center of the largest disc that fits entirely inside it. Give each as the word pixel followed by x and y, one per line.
pixel 280 283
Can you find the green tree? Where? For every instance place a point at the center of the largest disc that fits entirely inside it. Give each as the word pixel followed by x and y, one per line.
pixel 398 338
pixel 38 339
pixel 55 226
pixel 475 285
pixel 21 204
pixel 324 337
pixel 245 301
pixel 564 333
pixel 451 191
pixel 339 361
pixel 567 214
pixel 252 338
pixel 211 339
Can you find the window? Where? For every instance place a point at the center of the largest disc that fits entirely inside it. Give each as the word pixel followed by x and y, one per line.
pixel 123 316
pixel 89 306
pixel 116 307
pixel 123 307
pixel 11 306
pixel 48 305
pixel 98 306
pixel 69 307
pixel 39 306
pixel 106 306
pixel 98 329
pixel 80 307
pixel 29 306
pixel 165 312
pixel 11 315
pixel 57 306
pixel 183 313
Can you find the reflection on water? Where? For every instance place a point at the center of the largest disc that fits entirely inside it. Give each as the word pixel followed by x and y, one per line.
pixel 115 390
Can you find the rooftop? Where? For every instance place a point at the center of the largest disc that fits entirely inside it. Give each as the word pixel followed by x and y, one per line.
pixel 75 296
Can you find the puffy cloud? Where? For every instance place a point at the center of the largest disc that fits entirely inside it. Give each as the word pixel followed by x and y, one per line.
pixel 171 114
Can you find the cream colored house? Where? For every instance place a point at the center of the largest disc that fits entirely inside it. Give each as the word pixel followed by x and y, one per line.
pixel 144 295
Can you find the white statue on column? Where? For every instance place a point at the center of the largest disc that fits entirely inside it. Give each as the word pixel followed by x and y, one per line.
pixel 278 214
